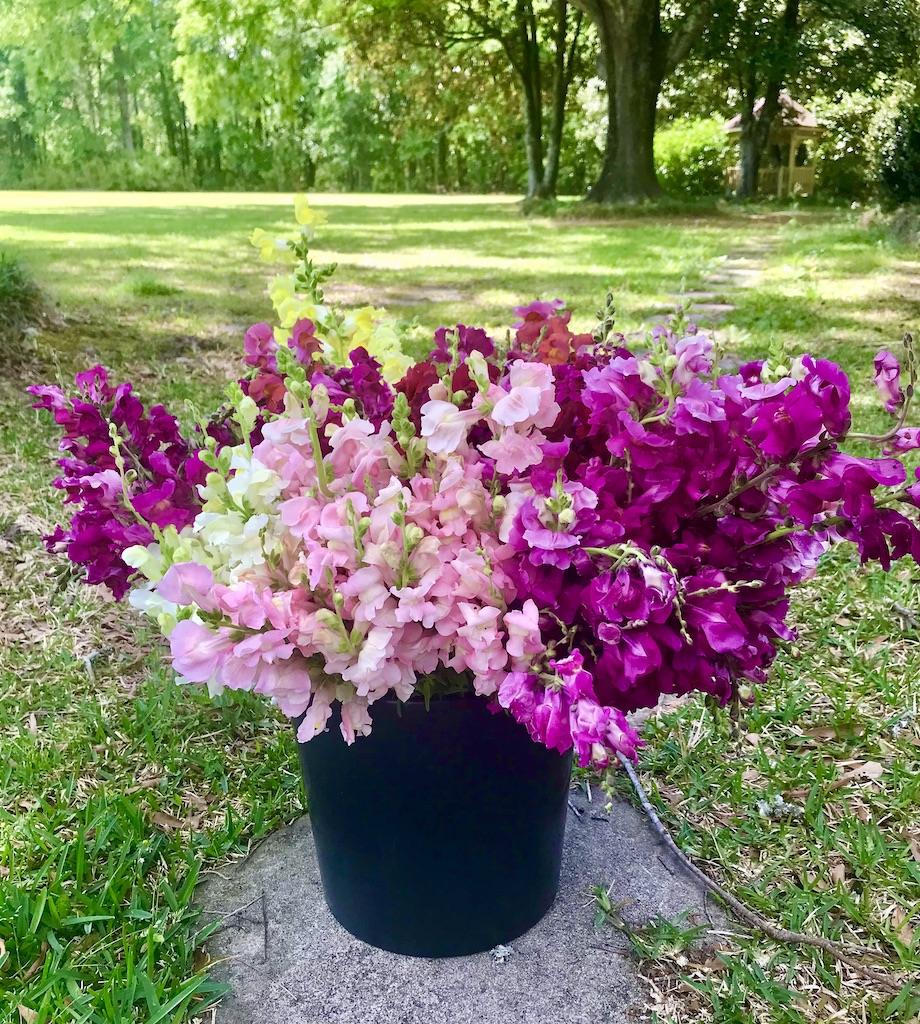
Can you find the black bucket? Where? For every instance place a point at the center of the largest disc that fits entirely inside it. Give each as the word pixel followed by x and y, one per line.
pixel 440 834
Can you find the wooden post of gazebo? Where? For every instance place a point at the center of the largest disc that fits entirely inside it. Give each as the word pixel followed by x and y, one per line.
pixel 780 173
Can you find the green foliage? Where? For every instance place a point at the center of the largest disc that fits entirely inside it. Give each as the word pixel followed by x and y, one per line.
pixel 899 156
pixel 21 302
pixel 113 172
pixel 844 157
pixel 691 156
pixel 397 95
pixel 660 938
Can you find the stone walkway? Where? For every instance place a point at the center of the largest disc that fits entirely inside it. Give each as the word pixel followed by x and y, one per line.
pixel 287 959
pixel 743 268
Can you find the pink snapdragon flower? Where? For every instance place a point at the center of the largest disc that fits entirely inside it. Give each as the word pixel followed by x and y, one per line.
pixel 888 381
pixel 526 399
pixel 523 626
pixel 198 653
pixel 259 348
pixel 445 427
pixel 188 583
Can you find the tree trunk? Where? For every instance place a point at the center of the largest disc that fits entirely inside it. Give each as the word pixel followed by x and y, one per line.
pixel 607 67
pixel 27 147
pixel 124 107
pixel 309 170
pixel 563 70
pixel 166 112
pixel 755 131
pixel 185 145
pixel 635 58
pixel 527 66
pixel 638 82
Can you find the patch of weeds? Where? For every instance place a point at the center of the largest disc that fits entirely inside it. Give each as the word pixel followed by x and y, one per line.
pixel 23 308
pixel 660 938
pixel 146 285
pixel 665 206
pixel 539 207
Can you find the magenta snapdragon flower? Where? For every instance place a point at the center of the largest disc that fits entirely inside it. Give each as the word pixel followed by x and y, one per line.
pixel 572 528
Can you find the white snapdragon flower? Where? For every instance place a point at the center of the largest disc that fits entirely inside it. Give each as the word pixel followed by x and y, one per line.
pixel 253 484
pixel 239 539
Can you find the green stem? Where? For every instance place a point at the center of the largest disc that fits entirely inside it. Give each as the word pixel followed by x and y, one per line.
pixel 321 479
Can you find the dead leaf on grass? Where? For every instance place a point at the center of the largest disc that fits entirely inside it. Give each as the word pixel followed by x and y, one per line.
pixel 900 922
pixel 861 812
pixel 838 873
pixel 915 850
pixel 36 963
pixel 871 770
pixel 197 802
pixel 151 783
pixel 166 821
pixel 28 1016
pixel 875 646
pixel 750 775
pixel 821 732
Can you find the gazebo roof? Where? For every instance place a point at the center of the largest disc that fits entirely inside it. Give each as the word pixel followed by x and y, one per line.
pixel 792 116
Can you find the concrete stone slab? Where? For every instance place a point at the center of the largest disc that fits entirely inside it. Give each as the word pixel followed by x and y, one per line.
pixel 712 308
pixel 736 277
pixel 287 959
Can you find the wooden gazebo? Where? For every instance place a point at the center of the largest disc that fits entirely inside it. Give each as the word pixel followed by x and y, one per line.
pixel 788 163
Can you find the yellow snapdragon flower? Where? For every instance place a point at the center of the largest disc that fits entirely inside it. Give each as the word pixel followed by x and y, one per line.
pixel 264 242
pixel 293 309
pixel 366 328
pixel 394 367
pixel 306 216
pixel 281 289
pixel 360 325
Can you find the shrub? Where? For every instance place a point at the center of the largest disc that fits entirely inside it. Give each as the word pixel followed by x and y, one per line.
pixel 691 155
pixel 899 156
pixel 844 156
pixel 146 172
pixel 22 305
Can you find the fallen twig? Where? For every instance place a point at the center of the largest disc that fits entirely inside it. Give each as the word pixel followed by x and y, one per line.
pixel 227 914
pixel 909 617
pixel 577 811
pixel 745 913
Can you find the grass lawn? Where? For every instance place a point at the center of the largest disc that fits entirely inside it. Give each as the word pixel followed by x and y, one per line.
pixel 117 790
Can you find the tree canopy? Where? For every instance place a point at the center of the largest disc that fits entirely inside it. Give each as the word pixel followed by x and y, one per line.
pixel 530 96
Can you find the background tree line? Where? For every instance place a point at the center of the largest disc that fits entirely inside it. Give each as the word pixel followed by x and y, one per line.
pixel 616 99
